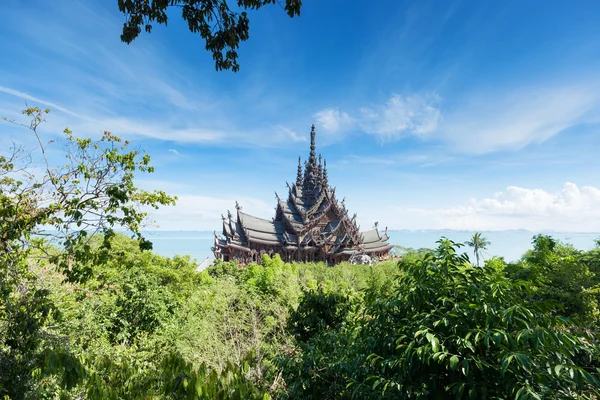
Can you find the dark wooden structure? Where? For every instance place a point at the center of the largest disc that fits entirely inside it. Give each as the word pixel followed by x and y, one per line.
pixel 310 225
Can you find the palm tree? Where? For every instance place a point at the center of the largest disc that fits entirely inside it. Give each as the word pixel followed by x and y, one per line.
pixel 478 243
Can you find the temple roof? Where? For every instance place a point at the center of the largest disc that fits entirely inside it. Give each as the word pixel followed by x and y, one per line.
pixel 332 226
pixel 260 225
pixel 310 219
pixel 370 236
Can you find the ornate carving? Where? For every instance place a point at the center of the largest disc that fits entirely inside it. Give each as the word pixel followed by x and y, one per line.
pixel 299 174
pixel 316 226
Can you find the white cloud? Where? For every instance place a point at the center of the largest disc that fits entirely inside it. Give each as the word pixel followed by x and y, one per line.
pixel 479 122
pixel 178 154
pixel 402 116
pixel 430 158
pixel 37 101
pixel 570 209
pixel 504 120
pixel 92 123
pixel 334 120
pixel 291 134
pixel 194 212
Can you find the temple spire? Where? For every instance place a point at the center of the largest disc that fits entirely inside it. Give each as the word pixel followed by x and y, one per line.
pixel 312 159
pixel 325 178
pixel 320 172
pixel 312 142
pixel 299 176
pixel 311 167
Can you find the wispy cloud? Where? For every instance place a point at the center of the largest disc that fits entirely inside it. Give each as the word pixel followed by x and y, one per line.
pixel 511 120
pixel 400 116
pixel 178 154
pixel 93 122
pixel 38 101
pixel 429 159
pixel 372 160
pixel 194 212
pixel 291 134
pixel 478 122
pixel 333 120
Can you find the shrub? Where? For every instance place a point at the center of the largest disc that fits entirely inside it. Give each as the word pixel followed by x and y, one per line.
pixel 449 330
pixel 318 311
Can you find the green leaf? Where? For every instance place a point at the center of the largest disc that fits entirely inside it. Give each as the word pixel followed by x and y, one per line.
pixel 506 363
pixel 454 362
pixel 465 367
pixel 433 341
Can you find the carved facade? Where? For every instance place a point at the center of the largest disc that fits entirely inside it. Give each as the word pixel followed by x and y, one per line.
pixel 310 225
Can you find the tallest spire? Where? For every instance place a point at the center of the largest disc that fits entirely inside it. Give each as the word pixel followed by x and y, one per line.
pixel 312 141
pixel 312 159
pixel 311 169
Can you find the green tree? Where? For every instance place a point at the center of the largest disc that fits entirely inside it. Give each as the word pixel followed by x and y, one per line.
pixel 51 219
pixel 319 310
pixel 562 278
pixel 479 244
pixel 221 27
pixel 449 330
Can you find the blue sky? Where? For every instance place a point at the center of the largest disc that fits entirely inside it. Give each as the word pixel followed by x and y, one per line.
pixel 431 114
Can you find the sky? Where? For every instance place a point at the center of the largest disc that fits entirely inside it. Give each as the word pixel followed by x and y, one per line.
pixel 473 115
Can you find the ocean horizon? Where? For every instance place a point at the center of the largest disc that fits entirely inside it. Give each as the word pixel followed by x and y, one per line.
pixel 509 244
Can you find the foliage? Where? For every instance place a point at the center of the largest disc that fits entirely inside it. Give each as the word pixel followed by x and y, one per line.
pixel 171 377
pixel 93 192
pixel 221 27
pixel 561 279
pixel 318 311
pixel 449 330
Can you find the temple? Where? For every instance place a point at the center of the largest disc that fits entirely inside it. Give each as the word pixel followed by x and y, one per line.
pixel 310 225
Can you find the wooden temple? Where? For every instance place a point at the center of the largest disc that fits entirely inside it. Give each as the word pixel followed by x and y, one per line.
pixel 310 225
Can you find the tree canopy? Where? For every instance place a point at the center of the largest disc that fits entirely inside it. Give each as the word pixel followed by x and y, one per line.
pixel 221 27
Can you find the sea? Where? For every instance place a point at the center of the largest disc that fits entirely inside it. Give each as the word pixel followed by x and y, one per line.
pixel 508 244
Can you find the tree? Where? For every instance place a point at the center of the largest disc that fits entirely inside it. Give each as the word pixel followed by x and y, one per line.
pixel 318 311
pixel 562 278
pixel 478 243
pixel 221 28
pixel 51 218
pixel 469 332
pixel 448 330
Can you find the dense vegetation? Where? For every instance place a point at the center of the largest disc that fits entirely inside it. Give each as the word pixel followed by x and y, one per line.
pixel 89 313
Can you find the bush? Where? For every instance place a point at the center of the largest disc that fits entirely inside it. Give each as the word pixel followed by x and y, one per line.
pixel 318 311
pixel 450 330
